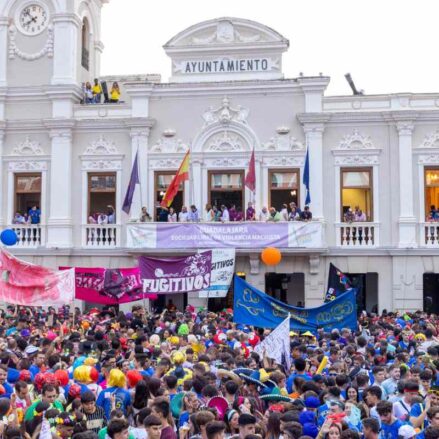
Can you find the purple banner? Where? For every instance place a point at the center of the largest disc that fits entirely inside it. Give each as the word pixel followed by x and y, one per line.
pixel 176 275
pixel 228 235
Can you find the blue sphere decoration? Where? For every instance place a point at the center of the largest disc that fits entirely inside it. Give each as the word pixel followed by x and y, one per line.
pixel 8 237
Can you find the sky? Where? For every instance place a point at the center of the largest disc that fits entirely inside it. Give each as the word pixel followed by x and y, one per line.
pixel 388 46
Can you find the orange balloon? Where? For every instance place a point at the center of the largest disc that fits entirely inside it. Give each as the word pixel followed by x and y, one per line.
pixel 271 256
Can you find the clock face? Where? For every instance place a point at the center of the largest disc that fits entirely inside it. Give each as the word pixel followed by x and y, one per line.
pixel 33 19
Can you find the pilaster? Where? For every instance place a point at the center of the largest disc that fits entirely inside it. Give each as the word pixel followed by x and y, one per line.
pixel 313 126
pixel 139 132
pixel 3 50
pixel 60 229
pixel 65 57
pixel 195 196
pixel 407 220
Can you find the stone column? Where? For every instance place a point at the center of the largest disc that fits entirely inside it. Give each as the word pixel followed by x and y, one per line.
pixel 407 220
pixel 139 142
pixel 3 50
pixel 66 45
pixel 257 197
pixel 314 142
pixel 99 48
pixel 195 185
pixel 59 230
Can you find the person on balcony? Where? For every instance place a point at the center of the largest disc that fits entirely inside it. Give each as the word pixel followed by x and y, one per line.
pixel 232 212
pixel 284 215
pixel 294 212
pixel 225 217
pixel 239 216
pixel 19 219
pixel 349 216
pixel 183 215
pixel 250 213
pixel 111 213
pixel 433 214
pixel 97 91
pixel 172 217
pixel 115 93
pixel 209 214
pixel 34 215
pixel 306 214
pixel 217 214
pixel 274 216
pixel 163 215
pixel 145 217
pixel 88 93
pixel 360 216
pixel 264 215
pixel 193 216
pixel 102 219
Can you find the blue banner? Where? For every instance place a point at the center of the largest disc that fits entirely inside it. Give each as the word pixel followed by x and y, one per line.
pixel 255 308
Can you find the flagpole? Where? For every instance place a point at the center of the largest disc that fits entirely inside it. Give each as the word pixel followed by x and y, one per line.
pixel 140 175
pixel 191 178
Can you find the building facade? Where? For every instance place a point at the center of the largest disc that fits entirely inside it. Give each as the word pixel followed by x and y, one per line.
pixel 226 96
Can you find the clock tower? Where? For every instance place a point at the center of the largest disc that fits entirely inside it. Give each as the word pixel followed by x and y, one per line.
pixel 49 42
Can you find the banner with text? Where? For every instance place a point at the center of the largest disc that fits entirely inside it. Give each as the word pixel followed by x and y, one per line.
pixel 176 275
pixel 223 268
pixel 253 307
pixel 109 286
pixel 225 235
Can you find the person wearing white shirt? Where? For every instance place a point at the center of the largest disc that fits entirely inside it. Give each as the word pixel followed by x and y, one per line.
pixel 172 217
pixel 102 219
pixel 264 215
pixel 209 214
pixel 225 217
pixel 183 215
pixel 284 212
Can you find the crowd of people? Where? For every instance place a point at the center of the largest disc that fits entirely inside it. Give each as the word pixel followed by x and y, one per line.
pixel 196 375
pixel 232 213
pixel 93 94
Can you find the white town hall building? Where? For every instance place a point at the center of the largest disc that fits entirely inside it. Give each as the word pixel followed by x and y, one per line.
pixel 225 96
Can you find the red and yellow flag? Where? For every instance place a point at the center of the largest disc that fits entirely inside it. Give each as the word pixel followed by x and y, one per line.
pixel 182 175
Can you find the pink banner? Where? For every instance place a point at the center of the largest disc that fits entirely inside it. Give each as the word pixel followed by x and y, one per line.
pixel 23 283
pixel 109 286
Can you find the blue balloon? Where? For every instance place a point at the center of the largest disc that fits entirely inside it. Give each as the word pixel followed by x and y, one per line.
pixel 8 237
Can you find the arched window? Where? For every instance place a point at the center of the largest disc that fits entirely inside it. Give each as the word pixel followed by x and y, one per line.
pixel 85 59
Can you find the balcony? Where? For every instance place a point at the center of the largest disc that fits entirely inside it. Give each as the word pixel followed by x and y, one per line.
pixel 29 235
pixel 101 236
pixel 357 235
pixel 429 234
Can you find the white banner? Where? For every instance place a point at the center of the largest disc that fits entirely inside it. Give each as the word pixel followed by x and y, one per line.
pixel 277 345
pixel 223 268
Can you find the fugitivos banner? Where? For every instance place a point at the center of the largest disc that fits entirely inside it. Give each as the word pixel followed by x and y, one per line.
pixel 176 275
pixel 228 235
pixel 109 286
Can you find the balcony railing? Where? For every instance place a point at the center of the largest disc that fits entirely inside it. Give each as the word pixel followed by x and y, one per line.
pixel 357 235
pixel 29 235
pixel 101 236
pixel 429 234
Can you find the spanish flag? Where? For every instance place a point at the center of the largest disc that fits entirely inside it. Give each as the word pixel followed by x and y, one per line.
pixel 182 175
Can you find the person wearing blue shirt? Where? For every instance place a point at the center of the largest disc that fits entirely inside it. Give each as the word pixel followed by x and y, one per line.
pixel 121 398
pixel 300 366
pixel 389 424
pixel 433 417
pixel 34 215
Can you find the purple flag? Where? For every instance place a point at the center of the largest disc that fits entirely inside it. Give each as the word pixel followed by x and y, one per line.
pixel 176 275
pixel 134 179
